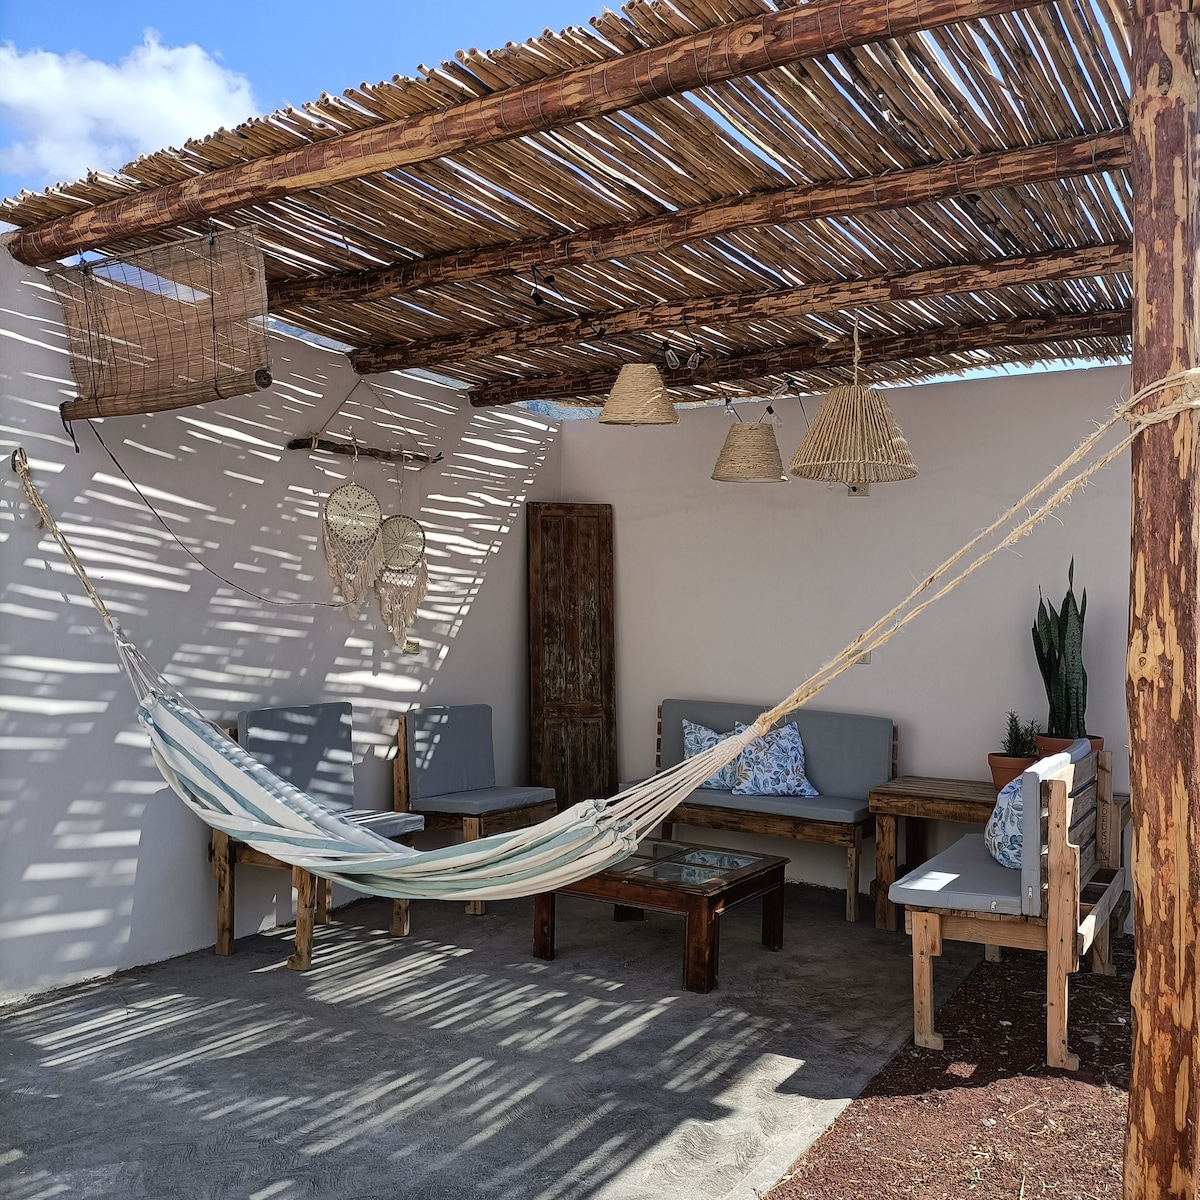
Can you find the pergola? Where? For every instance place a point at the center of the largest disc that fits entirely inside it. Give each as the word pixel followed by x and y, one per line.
pixel 974 182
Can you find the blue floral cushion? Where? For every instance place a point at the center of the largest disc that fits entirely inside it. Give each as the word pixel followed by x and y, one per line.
pixel 1002 835
pixel 699 737
pixel 772 765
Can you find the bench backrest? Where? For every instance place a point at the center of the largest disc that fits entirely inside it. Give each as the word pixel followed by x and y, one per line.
pixel 309 745
pixel 845 754
pixel 450 749
pixel 1087 800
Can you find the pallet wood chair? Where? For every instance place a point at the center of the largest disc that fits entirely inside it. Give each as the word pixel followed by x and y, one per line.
pixel 445 770
pixel 1068 898
pixel 309 746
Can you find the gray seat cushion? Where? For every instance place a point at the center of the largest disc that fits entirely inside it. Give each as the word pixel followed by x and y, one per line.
pixel 839 809
pixel 386 824
pixel 965 877
pixel 309 745
pixel 477 802
pixel 845 754
pixel 450 750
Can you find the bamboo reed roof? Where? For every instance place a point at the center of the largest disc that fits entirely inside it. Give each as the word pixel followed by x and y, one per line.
pixel 966 190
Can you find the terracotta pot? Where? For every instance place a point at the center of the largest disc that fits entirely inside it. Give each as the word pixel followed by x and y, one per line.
pixel 1005 770
pixel 1048 745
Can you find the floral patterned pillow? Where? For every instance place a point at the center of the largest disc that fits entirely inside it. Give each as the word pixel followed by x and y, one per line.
pixel 772 765
pixel 700 737
pixel 1003 833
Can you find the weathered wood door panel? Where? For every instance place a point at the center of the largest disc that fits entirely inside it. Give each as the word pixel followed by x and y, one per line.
pixel 572 670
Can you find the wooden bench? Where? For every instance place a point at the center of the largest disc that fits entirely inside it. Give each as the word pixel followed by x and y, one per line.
pixel 1068 897
pixel 846 754
pixel 309 746
pixel 445 770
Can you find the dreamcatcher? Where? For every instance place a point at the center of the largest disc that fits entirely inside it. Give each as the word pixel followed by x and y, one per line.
pixel 353 542
pixel 403 577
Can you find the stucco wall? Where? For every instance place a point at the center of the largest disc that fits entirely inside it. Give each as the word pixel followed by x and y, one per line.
pixel 740 591
pixel 100 868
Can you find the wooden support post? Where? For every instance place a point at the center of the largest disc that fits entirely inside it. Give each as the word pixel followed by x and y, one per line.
pixel 400 918
pixel 991 953
pixel 1161 1150
pixel 471 833
pixel 306 905
pixel 927 945
pixel 885 870
pixel 223 869
pixel 853 857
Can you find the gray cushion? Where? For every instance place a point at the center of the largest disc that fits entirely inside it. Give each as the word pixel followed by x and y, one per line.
pixel 965 877
pixel 811 808
pixel 450 750
pixel 478 801
pixel 845 754
pixel 309 745
pixel 386 824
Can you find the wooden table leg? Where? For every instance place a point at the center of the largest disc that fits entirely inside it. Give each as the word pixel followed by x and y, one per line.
pixel 701 946
pixel 772 917
pixel 305 883
pixel 400 918
pixel 627 912
pixel 885 870
pixel 223 869
pixel 324 901
pixel 543 926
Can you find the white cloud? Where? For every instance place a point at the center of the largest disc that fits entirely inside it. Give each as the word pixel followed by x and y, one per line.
pixel 73 114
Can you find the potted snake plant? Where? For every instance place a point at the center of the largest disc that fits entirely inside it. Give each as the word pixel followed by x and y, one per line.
pixel 1017 754
pixel 1058 644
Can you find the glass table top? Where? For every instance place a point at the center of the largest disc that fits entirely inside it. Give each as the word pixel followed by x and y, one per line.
pixel 677 863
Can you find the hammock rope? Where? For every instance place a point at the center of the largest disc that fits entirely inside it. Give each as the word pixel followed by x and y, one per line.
pixel 230 791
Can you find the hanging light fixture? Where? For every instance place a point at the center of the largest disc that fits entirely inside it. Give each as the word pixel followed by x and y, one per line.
pixel 639 397
pixel 751 452
pixel 854 438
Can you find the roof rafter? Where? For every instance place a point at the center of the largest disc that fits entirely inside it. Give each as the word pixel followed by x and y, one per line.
pixel 942 340
pixel 741 48
pixel 894 189
pixel 1082 262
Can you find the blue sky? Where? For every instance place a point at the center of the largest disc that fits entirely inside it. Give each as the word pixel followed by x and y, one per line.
pixel 82 87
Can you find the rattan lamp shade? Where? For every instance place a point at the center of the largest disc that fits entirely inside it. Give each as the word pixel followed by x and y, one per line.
pixel 750 455
pixel 639 397
pixel 854 439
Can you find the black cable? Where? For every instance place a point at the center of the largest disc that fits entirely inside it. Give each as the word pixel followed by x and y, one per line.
pixel 191 554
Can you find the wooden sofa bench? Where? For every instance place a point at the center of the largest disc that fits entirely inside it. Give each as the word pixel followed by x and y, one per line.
pixel 846 754
pixel 445 771
pixel 310 746
pixel 1067 898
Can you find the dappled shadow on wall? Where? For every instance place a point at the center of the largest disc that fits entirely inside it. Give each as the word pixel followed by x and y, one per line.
pixel 216 571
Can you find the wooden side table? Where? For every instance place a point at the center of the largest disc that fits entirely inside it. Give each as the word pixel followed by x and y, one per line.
pixel 914 796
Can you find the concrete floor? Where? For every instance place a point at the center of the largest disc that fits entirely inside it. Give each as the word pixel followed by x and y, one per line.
pixel 452 1063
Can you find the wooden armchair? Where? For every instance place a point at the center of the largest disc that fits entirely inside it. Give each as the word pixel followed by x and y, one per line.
pixel 309 746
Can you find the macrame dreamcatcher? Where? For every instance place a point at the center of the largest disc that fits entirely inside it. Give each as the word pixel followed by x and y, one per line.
pixel 353 542
pixel 403 577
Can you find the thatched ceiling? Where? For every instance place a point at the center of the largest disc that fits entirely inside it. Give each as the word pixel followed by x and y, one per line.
pixel 962 189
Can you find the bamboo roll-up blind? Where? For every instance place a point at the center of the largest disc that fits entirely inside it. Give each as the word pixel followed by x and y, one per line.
pixel 168 327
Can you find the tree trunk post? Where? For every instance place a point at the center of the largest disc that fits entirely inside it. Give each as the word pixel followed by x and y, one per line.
pixel 1161 1149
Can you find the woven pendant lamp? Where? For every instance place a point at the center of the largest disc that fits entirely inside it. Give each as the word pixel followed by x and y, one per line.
pixel 750 455
pixel 854 439
pixel 639 397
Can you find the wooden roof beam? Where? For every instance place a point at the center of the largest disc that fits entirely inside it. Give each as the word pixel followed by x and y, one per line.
pixel 1018 331
pixel 741 48
pixel 894 189
pixel 1081 263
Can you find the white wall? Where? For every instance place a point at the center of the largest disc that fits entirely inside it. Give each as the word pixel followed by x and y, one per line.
pixel 100 868
pixel 740 591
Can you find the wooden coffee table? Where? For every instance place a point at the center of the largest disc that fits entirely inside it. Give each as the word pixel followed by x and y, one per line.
pixel 701 882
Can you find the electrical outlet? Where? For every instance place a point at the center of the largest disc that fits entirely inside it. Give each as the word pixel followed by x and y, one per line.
pixel 863 660
pixel 858 489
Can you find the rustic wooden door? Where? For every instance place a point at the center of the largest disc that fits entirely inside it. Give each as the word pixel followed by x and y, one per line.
pixel 572 671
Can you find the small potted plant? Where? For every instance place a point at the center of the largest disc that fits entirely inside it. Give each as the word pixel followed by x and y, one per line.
pixel 1058 644
pixel 1018 753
